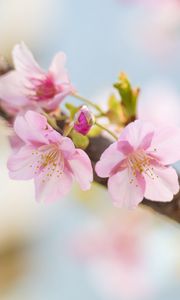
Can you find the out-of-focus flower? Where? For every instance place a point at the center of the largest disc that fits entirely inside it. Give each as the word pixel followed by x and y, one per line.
pixel 113 253
pixel 137 164
pixel 49 158
pixel 160 104
pixel 160 33
pixel 156 29
pixel 153 3
pixel 83 120
pixel 28 85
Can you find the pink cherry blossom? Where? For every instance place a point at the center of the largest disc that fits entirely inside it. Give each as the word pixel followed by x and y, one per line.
pixel 83 120
pixel 29 85
pixel 48 158
pixel 138 164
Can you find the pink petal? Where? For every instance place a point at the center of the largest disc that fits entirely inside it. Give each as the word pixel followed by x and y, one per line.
pixel 11 89
pixel 24 62
pixel 15 142
pixel 147 140
pixel 32 128
pixel 53 103
pixel 124 147
pixel 164 185
pixel 20 164
pixel 67 147
pixel 137 133
pixel 36 119
pixel 54 188
pixel 57 68
pixel 124 193
pixel 110 158
pixel 40 124
pixel 166 145
pixel 82 169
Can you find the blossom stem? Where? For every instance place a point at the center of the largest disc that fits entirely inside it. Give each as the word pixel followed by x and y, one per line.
pixel 68 129
pixel 51 121
pixel 107 130
pixel 89 102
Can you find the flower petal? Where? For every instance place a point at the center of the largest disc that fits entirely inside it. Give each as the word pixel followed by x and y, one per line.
pixel 124 193
pixel 137 133
pixel 67 147
pixel 53 103
pixel 124 147
pixel 163 185
pixel 15 142
pixel 24 61
pixel 11 90
pixel 166 145
pixel 110 158
pixel 147 140
pixel 82 169
pixel 54 188
pixel 57 68
pixel 32 128
pixel 20 164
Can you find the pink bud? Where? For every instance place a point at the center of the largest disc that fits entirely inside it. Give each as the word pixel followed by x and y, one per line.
pixel 83 120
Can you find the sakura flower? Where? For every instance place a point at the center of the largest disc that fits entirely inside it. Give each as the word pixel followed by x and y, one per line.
pixel 83 120
pixel 48 158
pixel 138 164
pixel 29 85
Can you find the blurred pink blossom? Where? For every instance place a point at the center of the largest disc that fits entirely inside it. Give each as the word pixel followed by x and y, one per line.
pixel 156 30
pixel 113 251
pixel 29 85
pixel 160 104
pixel 153 3
pixel 138 164
pixel 48 158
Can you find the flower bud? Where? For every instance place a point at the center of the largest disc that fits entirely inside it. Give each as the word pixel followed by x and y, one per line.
pixel 83 120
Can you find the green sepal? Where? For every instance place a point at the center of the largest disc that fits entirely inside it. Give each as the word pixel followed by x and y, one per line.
pixel 94 131
pixel 79 140
pixel 128 95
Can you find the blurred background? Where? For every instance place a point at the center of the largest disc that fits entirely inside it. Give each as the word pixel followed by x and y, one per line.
pixel 82 247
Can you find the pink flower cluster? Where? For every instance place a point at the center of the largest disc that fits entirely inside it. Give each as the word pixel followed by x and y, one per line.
pixel 48 158
pixel 137 165
pixel 29 86
pixel 113 253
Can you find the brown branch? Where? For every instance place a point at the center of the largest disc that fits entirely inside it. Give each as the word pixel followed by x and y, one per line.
pixel 95 149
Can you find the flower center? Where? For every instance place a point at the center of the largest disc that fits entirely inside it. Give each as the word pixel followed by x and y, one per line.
pixel 42 89
pixel 45 90
pixel 139 162
pixel 48 161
